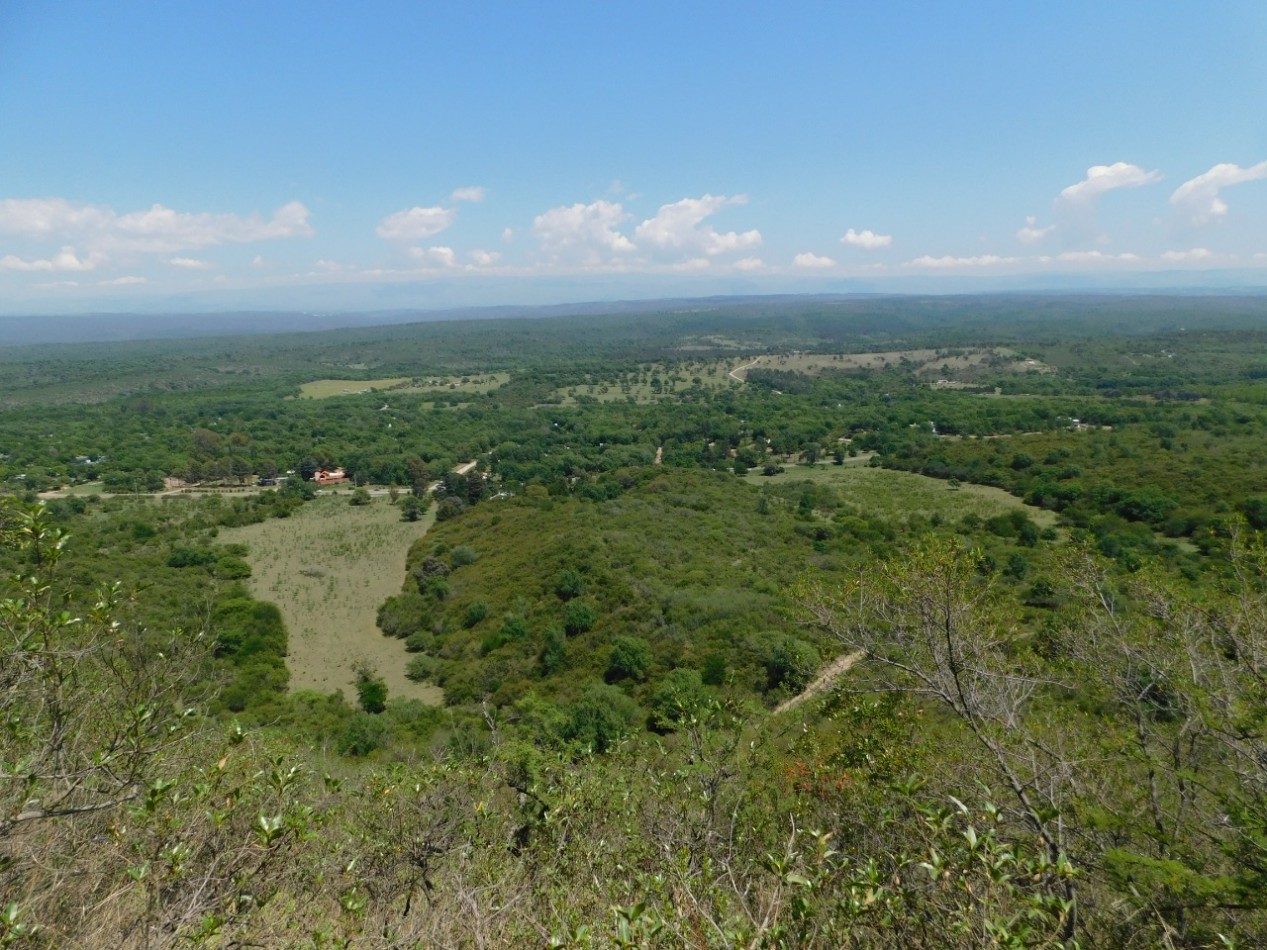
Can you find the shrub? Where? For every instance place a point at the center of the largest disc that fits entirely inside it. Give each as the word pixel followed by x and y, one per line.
pixel 553 651
pixel 371 690
pixel 475 613
pixel 680 695
pixel 791 663
pixel 578 617
pixel 421 668
pixel 601 717
pixel 630 659
pixel 569 584
pixel 462 555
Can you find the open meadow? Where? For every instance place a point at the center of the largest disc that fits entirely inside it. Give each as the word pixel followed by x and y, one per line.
pixel 327 568
pixel 888 493
pixel 327 388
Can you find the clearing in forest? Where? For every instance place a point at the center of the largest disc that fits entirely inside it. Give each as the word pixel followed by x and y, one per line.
pixel 473 383
pixel 327 568
pixel 895 494
pixel 950 363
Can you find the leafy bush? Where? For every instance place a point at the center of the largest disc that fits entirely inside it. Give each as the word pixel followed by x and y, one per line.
pixel 601 717
pixel 630 659
pixel 462 555
pixel 421 668
pixel 578 617
pixel 791 664
pixel 475 613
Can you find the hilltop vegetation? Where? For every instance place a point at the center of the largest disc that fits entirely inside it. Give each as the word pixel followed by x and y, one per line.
pixel 1033 521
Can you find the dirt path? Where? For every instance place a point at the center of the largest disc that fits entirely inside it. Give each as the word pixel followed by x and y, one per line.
pixel 659 455
pixel 837 668
pixel 737 369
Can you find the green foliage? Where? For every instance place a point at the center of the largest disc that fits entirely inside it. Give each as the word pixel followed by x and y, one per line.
pixel 630 658
pixel 578 617
pixel 371 691
pixel 569 584
pixel 790 663
pixel 680 696
pixel 600 717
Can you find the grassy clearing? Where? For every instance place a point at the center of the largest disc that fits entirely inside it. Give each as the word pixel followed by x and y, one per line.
pixel 893 494
pixel 326 388
pixel 947 363
pixel 327 569
pixel 652 382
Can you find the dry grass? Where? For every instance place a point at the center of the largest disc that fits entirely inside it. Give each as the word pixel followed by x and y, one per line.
pixel 328 568
pixel 481 383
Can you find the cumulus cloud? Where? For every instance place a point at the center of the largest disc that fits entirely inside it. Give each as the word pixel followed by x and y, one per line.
pixel 415 224
pixel 1091 257
pixel 680 228
pixel 1198 198
pixel 51 217
pixel 508 235
pixel 484 258
pixel 474 193
pixel 64 260
pixel 1184 257
pixel 157 229
pixel 434 256
pixel 1105 178
pixel 191 263
pixel 866 239
pixel 587 231
pixel 162 230
pixel 748 263
pixel 985 260
pixel 1032 233
pixel 811 260
pixel 122 281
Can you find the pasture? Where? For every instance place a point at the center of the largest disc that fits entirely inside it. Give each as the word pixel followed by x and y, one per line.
pixel 894 494
pixel 327 568
pixel 476 383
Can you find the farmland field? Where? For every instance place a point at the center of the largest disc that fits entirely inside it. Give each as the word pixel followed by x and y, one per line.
pixel 327 568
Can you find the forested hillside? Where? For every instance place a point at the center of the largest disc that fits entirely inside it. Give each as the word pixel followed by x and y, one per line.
pixel 867 623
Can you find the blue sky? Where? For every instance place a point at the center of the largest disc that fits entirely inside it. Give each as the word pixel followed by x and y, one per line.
pixel 226 154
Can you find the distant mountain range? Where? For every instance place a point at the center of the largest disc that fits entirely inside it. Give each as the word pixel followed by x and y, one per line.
pixel 179 323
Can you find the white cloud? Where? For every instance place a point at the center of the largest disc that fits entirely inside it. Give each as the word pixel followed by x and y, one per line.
pixel 1091 257
pixel 327 266
pixel 694 264
pixel 157 229
pixel 811 260
pixel 484 258
pixel 985 260
pixel 748 263
pixel 508 235
pixel 1182 257
pixel 866 239
pixel 475 193
pixel 431 256
pixel 191 263
pixel 1032 233
pixel 122 282
pixel 679 227
pixel 588 231
pixel 1104 178
pixel 163 230
pixel 64 260
pixel 415 224
pixel 1198 198
pixel 50 217
pixel 258 261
